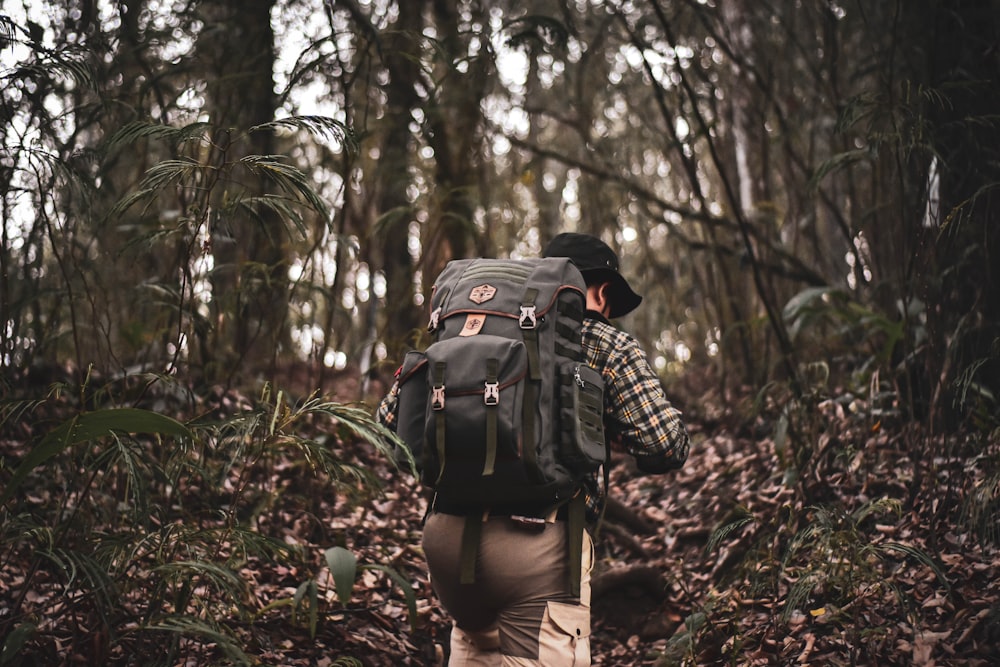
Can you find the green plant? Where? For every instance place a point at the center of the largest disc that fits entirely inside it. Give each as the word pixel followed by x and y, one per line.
pixel 342 567
pixel 973 393
pixel 846 333
pixel 134 527
pixel 824 563
pixel 981 505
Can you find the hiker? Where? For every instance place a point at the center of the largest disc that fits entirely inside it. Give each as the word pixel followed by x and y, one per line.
pixel 522 607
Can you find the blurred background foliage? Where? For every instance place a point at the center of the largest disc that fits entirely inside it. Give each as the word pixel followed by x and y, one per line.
pixel 237 192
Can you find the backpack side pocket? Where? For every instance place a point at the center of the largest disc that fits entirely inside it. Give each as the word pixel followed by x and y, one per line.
pixel 412 408
pixel 582 417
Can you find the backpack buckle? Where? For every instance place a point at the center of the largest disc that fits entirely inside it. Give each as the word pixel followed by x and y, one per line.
pixel 437 397
pixel 491 396
pixel 435 320
pixel 528 319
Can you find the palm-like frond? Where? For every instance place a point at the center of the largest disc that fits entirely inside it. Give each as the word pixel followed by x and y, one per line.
pixel 741 517
pixel 185 563
pixel 281 208
pixel 876 506
pixel 48 65
pixel 134 131
pixel 167 172
pixel 194 628
pixel 321 126
pixel 158 177
pixel 222 578
pixel 127 456
pixel 799 593
pixel 8 29
pixel 84 573
pixel 919 555
pixel 290 179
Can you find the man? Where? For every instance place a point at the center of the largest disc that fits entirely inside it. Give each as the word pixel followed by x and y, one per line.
pixel 519 610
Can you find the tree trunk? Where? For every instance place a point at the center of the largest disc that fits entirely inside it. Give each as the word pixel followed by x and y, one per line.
pixel 249 283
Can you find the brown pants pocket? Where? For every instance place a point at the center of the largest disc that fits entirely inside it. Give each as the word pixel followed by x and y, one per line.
pixel 564 637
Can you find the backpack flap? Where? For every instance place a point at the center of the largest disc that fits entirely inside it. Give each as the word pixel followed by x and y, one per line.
pixel 518 294
pixel 476 405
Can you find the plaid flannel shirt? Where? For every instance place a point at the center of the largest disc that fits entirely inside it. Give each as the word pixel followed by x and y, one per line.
pixel 636 413
pixel 386 412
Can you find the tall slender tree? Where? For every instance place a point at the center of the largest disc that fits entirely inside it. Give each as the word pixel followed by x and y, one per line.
pixel 249 282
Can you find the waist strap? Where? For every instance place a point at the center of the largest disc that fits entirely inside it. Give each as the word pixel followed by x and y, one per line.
pixel 444 507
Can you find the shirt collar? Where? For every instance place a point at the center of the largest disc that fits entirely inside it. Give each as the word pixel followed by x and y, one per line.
pixel 594 315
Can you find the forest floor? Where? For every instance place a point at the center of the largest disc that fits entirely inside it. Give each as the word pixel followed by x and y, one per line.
pixel 873 560
pixel 879 555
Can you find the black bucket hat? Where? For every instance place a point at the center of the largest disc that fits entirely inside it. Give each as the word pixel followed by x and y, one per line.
pixel 597 262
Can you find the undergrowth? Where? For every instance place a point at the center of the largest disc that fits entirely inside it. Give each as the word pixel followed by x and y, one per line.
pixel 129 537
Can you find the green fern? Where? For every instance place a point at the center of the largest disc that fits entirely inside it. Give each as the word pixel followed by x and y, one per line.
pixel 321 126
pixel 130 133
pixel 834 552
pixel 981 506
pixel 741 516
pixel 343 567
pixel 290 179
pixel 196 629
pixel 139 544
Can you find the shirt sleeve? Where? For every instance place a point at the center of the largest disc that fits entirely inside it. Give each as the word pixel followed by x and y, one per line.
pixel 636 410
pixel 386 413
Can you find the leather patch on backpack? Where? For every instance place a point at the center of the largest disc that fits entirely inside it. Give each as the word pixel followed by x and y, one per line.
pixel 482 293
pixel 473 324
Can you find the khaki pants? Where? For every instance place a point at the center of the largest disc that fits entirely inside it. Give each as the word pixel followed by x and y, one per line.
pixel 518 611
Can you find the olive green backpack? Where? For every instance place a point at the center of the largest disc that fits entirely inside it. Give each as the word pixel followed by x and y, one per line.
pixel 500 410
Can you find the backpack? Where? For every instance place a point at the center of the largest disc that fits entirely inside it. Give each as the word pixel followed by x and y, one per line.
pixel 500 410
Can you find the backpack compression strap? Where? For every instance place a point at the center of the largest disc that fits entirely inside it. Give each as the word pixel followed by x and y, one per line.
pixel 437 404
pixel 491 399
pixel 528 322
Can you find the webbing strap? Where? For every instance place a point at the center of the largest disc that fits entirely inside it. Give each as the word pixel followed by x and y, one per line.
pixel 606 469
pixel 570 309
pixel 439 417
pixel 531 343
pixel 528 438
pixel 470 547
pixel 575 524
pixel 531 336
pixel 528 453
pixel 491 399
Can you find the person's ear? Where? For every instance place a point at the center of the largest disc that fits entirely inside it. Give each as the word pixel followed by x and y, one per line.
pixel 597 298
pixel 602 298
